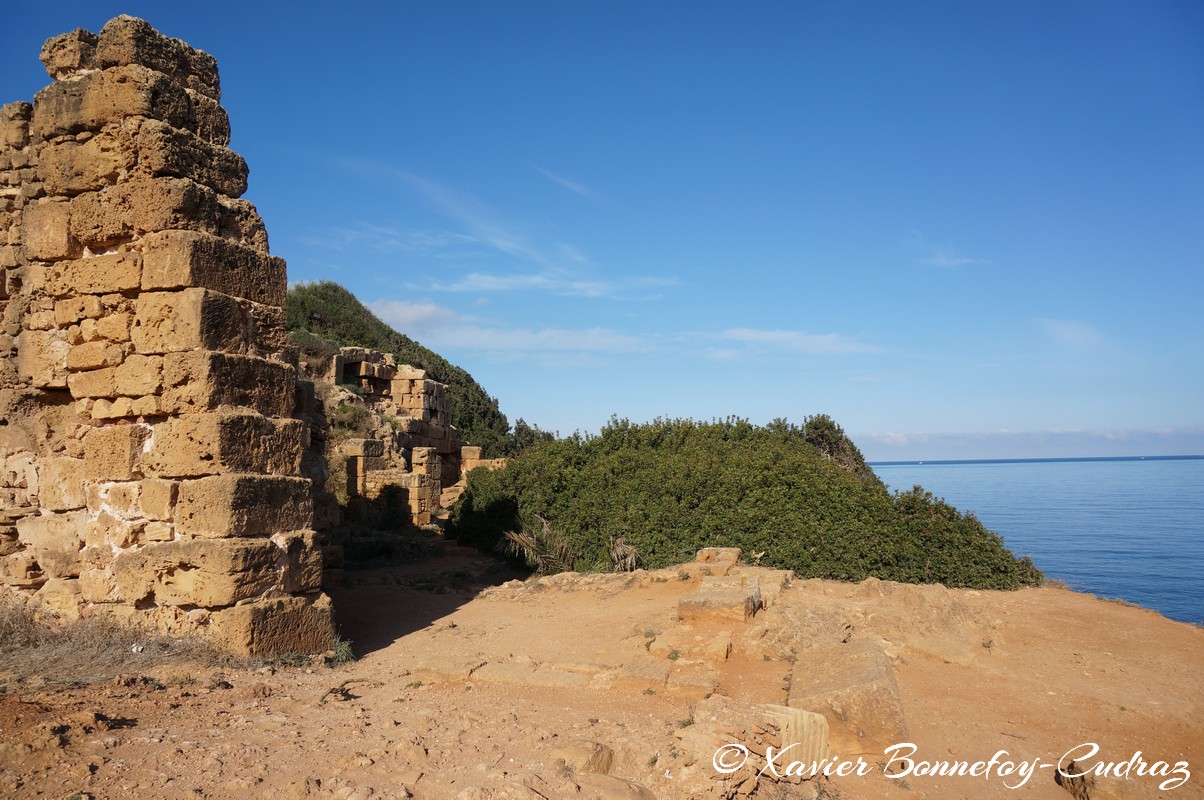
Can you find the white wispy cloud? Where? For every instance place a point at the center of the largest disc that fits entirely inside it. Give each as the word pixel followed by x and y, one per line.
pixel 553 283
pixel 552 266
pixel 440 327
pixel 572 186
pixel 933 254
pixel 1071 333
pixel 799 341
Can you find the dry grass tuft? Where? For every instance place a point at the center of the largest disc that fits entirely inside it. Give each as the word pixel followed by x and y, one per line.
pixel 49 652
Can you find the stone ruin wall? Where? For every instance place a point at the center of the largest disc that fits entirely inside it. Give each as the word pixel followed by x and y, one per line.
pixel 150 453
pixel 162 458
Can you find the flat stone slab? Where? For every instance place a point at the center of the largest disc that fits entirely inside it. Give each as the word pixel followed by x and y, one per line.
pixel 722 599
pixel 854 687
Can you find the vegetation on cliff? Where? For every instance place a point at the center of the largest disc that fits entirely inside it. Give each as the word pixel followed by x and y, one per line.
pixel 329 311
pixel 802 495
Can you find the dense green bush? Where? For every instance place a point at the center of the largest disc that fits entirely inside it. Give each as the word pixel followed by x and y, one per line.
pixel 333 313
pixel 803 495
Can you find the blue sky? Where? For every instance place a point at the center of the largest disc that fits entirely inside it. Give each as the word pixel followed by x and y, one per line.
pixel 961 229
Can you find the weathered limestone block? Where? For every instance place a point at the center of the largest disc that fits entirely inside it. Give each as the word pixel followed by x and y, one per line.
pixel 42 358
pixel 67 54
pixel 169 322
pixel 364 448
pixel 303 561
pixel 167 151
pixel 144 205
pixel 59 596
pixel 295 624
pixel 111 453
pixel 107 274
pixel 208 573
pixel 158 499
pixel 202 381
pixel 119 498
pixel 138 375
pixel 584 756
pixel 728 555
pixel 735 599
pixel 61 483
pixel 112 95
pixel 210 120
pixel 225 506
pixel 803 734
pixel 21 571
pixel 94 383
pixel 14 125
pixel 854 687
pixel 68 166
pixel 222 442
pixel 94 355
pixel 128 40
pixel 109 532
pixel 45 232
pixel 55 541
pixel 183 259
pixel 73 309
pixel 115 327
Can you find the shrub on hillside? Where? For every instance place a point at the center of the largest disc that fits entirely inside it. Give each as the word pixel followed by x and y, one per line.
pixel 667 488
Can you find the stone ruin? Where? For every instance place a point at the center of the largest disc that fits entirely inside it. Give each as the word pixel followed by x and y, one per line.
pixel 156 445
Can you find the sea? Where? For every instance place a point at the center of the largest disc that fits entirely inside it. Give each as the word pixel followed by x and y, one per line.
pixel 1130 528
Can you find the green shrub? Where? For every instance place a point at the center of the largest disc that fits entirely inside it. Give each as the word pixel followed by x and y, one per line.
pixel 667 488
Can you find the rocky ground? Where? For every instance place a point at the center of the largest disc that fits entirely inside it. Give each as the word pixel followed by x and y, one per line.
pixel 626 686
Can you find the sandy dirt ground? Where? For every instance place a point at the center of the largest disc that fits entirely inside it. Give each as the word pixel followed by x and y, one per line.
pixel 535 689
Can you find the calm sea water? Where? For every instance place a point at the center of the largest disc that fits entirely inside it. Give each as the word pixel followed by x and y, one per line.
pixel 1130 528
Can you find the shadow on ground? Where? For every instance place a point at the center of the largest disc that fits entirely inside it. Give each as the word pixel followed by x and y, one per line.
pixel 377 605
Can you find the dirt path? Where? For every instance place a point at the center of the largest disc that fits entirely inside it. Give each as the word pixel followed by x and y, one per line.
pixel 470 694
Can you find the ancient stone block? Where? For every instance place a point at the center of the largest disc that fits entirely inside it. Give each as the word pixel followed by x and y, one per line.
pixel 364 448
pixel 853 686
pixel 169 322
pixel 288 624
pixel 303 561
pixel 158 498
pixel 143 205
pixel 59 596
pixel 223 442
pixel 210 121
pixel 243 505
pixel 107 274
pixel 111 453
pixel 112 95
pixel 68 167
pixel 46 233
pixel 208 573
pixel 164 150
pixel 725 600
pixel 61 483
pixel 709 555
pixel 138 375
pixel 69 53
pixel 72 309
pixel 182 259
pixel 584 756
pixel 55 541
pixel 94 383
pixel 115 327
pixel 201 381
pixel 127 40
pixel 14 125
pixel 42 358
pixel 94 355
pixel 107 531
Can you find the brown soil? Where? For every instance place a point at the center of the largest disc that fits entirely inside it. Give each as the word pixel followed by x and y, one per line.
pixel 465 693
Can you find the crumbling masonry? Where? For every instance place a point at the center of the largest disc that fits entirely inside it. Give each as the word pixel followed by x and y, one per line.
pixel 152 426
